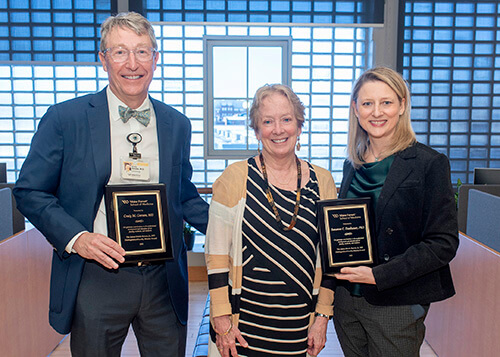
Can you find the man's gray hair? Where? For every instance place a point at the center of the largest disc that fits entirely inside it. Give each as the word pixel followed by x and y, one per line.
pixel 131 20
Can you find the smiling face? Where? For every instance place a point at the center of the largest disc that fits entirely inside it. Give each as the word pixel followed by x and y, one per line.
pixel 378 109
pixel 129 80
pixel 277 126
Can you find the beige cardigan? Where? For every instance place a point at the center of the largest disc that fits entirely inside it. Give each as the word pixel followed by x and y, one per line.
pixel 223 245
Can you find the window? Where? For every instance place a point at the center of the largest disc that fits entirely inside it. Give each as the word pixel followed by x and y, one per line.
pixel 275 11
pixel 324 63
pixel 236 67
pixel 325 60
pixel 452 62
pixel 50 30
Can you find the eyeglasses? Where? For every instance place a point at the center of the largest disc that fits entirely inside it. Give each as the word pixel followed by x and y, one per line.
pixel 120 54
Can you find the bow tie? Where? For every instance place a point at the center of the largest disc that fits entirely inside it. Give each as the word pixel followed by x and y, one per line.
pixel 142 116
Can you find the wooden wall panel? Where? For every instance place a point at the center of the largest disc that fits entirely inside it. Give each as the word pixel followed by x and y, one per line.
pixel 197 273
pixel 40 262
pixel 468 324
pixel 13 295
pixel 24 294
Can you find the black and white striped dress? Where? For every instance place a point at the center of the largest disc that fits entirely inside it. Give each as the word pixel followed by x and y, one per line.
pixel 278 269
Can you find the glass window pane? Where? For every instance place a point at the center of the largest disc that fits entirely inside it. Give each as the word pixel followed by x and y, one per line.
pixel 264 67
pixel 229 72
pixel 230 124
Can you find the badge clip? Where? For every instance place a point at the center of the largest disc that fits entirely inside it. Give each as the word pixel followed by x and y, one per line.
pixel 134 139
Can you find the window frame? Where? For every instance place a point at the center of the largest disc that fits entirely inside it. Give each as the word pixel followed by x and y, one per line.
pixel 211 41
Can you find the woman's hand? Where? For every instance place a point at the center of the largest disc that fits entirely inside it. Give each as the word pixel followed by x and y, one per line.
pixel 362 275
pixel 227 334
pixel 317 336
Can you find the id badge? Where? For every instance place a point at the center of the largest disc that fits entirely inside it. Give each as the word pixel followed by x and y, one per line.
pixel 132 169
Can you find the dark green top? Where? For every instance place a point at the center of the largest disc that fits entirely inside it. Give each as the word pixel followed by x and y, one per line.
pixel 367 182
pixel 369 179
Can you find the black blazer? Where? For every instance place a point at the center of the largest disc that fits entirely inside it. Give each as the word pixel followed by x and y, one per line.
pixel 416 229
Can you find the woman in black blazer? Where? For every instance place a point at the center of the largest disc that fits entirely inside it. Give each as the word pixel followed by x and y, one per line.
pixel 380 310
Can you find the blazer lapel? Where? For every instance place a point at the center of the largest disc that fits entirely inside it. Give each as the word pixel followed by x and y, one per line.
pixel 399 171
pixel 165 141
pixel 98 119
pixel 346 179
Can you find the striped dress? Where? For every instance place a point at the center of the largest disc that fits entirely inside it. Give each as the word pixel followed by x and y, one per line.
pixel 278 269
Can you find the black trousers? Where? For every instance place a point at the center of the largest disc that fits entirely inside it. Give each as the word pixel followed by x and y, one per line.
pixel 110 301
pixel 366 330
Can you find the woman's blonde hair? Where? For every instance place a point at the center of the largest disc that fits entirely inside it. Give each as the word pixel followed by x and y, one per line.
pixel 129 20
pixel 287 92
pixel 404 136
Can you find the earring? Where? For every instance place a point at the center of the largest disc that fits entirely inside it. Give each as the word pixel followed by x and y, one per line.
pixel 258 147
pixel 298 143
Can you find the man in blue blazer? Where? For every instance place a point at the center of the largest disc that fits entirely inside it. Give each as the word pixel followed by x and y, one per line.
pixel 80 147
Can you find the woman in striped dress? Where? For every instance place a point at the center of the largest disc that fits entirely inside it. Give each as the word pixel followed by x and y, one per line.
pixel 266 295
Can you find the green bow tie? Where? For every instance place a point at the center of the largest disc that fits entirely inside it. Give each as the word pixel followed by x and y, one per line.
pixel 142 116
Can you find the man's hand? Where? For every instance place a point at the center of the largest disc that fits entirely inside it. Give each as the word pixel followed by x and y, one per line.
pixel 100 248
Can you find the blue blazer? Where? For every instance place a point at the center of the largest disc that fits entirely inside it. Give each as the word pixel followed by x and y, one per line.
pixel 416 229
pixel 61 185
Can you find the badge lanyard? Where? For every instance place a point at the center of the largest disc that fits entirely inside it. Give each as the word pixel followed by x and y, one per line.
pixel 134 167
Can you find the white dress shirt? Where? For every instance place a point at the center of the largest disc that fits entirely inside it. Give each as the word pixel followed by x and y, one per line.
pixel 120 149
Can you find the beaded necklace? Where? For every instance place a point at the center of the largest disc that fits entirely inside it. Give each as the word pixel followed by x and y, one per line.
pixel 270 199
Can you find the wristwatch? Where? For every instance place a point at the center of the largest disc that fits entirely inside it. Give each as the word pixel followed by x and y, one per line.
pixel 322 315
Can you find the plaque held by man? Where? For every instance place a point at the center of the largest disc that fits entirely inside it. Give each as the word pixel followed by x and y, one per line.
pixel 137 218
pixel 345 234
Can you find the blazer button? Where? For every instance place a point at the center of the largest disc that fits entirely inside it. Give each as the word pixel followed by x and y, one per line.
pixel 386 257
pixel 389 231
